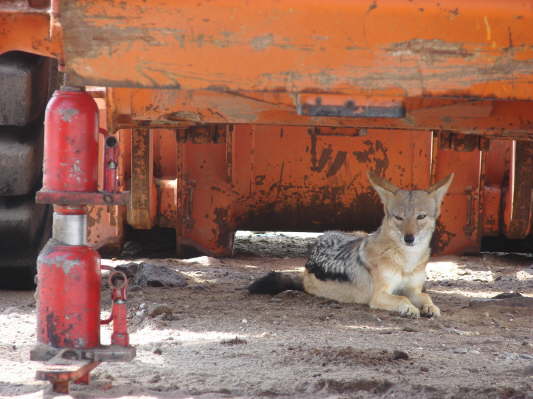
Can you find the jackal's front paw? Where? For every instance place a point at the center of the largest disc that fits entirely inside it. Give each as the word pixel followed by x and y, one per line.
pixel 430 311
pixel 408 310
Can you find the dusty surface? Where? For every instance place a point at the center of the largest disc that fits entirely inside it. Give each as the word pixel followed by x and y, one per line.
pixel 211 339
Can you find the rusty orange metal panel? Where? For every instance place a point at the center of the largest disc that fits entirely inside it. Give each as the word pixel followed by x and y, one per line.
pixel 124 169
pixel 498 160
pixel 29 29
pixel 105 224
pixel 143 201
pixel 313 179
pixel 496 180
pixel 316 178
pixel 105 227
pixel 166 108
pixel 290 178
pixel 165 166
pixel 491 210
pixel 294 178
pixel 477 48
pixel 458 229
pixel 518 210
pixel 164 153
pixel 204 217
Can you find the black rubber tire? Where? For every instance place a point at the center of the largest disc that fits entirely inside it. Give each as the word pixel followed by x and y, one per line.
pixel 26 83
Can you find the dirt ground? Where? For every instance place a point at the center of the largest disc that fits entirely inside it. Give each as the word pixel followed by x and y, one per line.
pixel 211 339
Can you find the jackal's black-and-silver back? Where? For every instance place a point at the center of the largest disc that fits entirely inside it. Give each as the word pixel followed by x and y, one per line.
pixel 337 256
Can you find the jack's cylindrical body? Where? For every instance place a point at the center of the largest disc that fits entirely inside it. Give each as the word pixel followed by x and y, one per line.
pixel 68 296
pixel 71 142
pixel 68 270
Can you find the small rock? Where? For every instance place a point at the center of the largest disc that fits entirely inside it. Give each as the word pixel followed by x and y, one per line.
pixel 399 355
pixel 150 275
pixel 424 369
pixel 498 304
pixel 158 351
pixel 159 310
pixel 154 379
pixel 508 356
pixel 460 351
pixel 505 295
pixel 526 356
pixel 461 332
pixel 234 341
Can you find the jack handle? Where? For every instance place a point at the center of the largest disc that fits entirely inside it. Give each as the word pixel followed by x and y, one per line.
pixel 119 284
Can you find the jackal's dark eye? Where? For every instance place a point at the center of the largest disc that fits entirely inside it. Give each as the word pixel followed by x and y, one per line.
pixel 398 218
pixel 421 216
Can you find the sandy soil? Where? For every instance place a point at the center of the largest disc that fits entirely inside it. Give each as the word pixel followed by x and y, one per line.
pixel 211 339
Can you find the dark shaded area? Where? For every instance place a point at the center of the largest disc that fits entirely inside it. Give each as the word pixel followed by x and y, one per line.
pixel 275 282
pixel 18 278
pixel 272 244
pixel 325 212
pixel 154 243
pixel 502 244
pixel 18 263
pixel 26 83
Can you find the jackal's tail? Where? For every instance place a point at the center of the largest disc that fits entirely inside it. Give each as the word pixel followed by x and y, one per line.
pixel 275 282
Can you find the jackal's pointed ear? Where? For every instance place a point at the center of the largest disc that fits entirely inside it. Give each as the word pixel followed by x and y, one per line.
pixel 438 190
pixel 384 188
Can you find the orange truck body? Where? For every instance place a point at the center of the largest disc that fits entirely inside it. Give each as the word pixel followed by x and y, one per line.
pixel 239 114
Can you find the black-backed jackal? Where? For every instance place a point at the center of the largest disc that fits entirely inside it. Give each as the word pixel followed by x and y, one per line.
pixel 384 269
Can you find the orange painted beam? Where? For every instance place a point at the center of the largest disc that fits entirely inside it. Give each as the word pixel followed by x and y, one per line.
pixel 165 107
pixel 480 48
